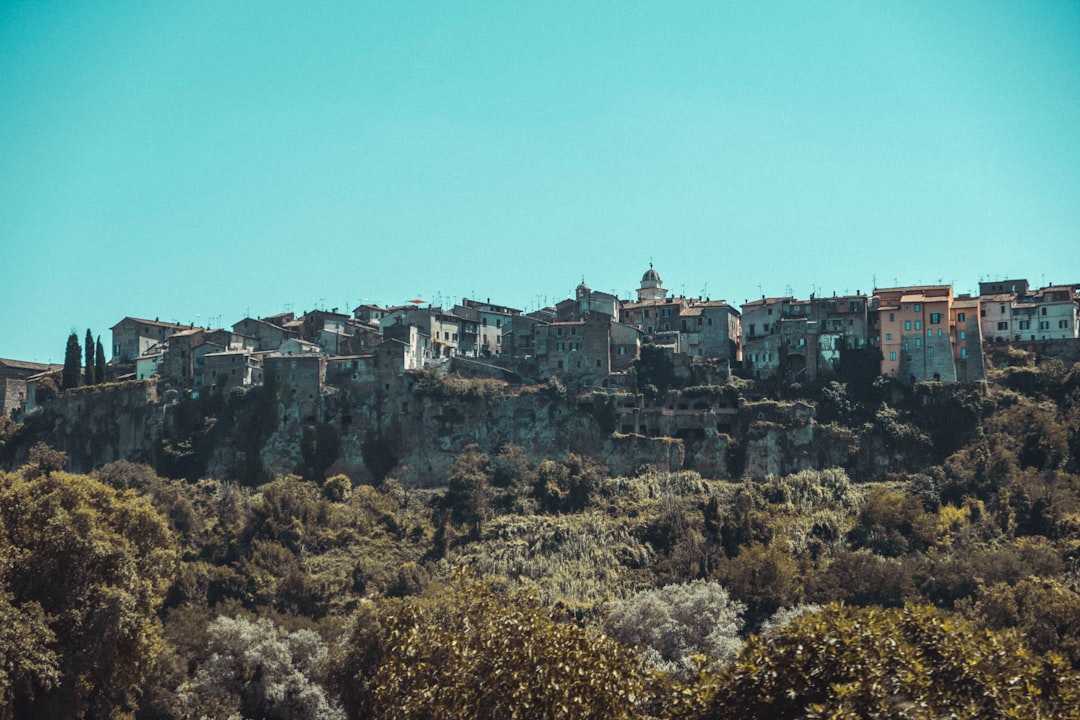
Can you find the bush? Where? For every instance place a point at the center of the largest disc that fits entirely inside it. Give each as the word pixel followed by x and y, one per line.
pixel 911 662
pixel 469 653
pixel 677 623
pixel 257 670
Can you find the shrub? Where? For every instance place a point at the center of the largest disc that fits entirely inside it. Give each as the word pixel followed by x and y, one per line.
pixel 911 662
pixel 677 623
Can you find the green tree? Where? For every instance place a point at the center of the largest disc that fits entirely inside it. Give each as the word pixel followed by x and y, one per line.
pixel 72 359
pixel 910 662
pixel 468 491
pixel 99 359
pixel 91 367
pixel 87 568
pixel 655 370
pixel 470 653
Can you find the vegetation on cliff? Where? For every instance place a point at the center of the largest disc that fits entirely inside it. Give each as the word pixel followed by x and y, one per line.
pixel 549 587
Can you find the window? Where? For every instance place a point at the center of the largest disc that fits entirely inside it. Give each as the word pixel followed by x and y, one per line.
pixel 935 318
pixel 1044 325
pixel 892 355
pixel 558 347
pixel 888 336
pixel 1003 326
pixel 1001 309
pixel 960 317
pixel 765 327
pixel 1042 311
pixel 918 324
pixel 907 346
pixel 963 335
pixel 918 307
pixel 930 332
pixel 1025 324
pixel 907 324
pixel 1063 324
pixel 892 317
pixel 918 342
pixel 963 353
pixel 930 351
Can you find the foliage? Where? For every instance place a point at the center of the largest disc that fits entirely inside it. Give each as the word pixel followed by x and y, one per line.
pixel 678 624
pixel 577 561
pixel 1045 610
pixel 893 523
pixel 90 368
pixel 99 363
pixel 467 498
pixel 438 386
pixel 470 653
pixel 69 378
pixel 655 370
pixel 94 564
pixel 44 460
pixel 256 669
pixel 911 662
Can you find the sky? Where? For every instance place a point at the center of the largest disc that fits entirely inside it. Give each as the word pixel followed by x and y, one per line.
pixel 200 162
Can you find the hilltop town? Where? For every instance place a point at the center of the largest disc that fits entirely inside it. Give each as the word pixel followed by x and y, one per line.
pixel 591 341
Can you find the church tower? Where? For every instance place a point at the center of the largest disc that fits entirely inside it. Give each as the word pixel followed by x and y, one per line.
pixel 652 287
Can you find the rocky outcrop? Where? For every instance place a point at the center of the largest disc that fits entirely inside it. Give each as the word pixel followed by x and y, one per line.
pixel 415 425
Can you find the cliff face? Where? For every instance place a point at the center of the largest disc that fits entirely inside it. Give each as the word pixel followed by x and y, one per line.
pixel 416 431
pixel 96 425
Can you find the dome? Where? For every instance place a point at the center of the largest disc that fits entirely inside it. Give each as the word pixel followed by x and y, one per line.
pixel 650 275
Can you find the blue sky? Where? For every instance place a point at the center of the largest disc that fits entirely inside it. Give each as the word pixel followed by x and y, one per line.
pixel 200 161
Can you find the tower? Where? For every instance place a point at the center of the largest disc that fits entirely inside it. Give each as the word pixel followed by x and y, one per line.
pixel 652 287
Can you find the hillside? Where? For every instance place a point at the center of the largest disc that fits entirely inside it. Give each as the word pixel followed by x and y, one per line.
pixel 467 548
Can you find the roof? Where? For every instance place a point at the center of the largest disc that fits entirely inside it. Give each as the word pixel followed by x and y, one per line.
pixel 768 301
pixel 153 323
pixel 27 365
pixel 651 275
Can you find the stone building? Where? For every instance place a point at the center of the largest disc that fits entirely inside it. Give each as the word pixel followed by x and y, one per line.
pixel 132 337
pixel 13 377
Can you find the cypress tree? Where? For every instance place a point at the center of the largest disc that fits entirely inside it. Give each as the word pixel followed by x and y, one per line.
pixel 90 367
pixel 69 378
pixel 99 369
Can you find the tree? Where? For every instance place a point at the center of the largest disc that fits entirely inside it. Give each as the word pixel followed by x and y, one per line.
pixel 470 653
pixel 90 367
pixel 677 623
pixel 255 669
pixel 87 568
pixel 910 662
pixel 99 358
pixel 72 359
